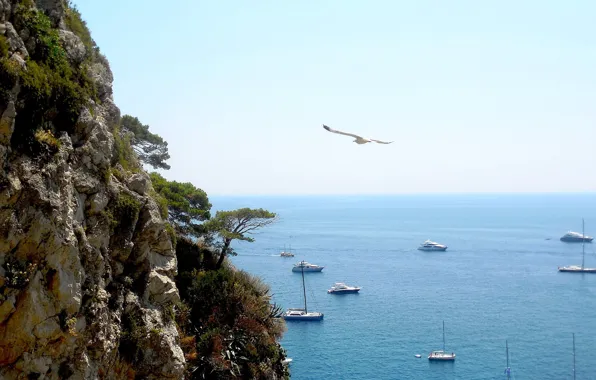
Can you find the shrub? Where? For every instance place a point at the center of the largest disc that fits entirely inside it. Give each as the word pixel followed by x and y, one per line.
pixel 48 138
pixel 233 323
pixel 123 212
pixel 9 74
pixel 4 47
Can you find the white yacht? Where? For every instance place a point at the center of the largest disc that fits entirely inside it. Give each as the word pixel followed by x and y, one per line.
pixel 576 237
pixel 430 245
pixel 340 287
pixel 304 266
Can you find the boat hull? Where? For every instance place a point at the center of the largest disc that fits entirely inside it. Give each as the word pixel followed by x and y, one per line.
pixel 441 356
pixel 343 291
pixel 577 270
pixel 567 239
pixel 307 317
pixel 298 269
pixel 432 249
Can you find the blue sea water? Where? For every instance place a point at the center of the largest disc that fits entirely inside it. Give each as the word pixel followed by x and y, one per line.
pixel 497 281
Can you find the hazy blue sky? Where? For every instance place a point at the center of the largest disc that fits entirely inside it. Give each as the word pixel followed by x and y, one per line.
pixel 479 96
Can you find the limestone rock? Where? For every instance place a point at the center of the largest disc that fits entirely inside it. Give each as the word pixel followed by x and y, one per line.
pixel 68 278
pixel 75 49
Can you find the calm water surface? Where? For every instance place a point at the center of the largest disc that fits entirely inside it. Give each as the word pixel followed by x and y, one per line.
pixel 498 280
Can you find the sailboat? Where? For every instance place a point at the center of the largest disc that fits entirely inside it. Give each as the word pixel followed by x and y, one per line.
pixel 302 314
pixel 576 268
pixel 285 253
pixel 507 369
pixel 441 354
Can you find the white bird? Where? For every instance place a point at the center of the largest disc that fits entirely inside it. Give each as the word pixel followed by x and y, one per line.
pixel 359 139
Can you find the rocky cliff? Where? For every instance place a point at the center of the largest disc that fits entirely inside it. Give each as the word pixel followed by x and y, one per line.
pixel 86 264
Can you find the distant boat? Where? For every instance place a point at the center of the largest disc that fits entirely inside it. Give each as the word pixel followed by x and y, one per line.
pixel 576 268
pixel 430 245
pixel 418 356
pixel 340 287
pixel 302 314
pixel 304 266
pixel 288 253
pixel 576 237
pixel 441 355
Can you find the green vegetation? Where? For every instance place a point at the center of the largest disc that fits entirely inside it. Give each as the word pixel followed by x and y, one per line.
pixel 187 205
pixel 236 327
pixel 123 213
pixel 235 225
pixel 52 91
pixel 78 26
pixel 3 47
pixel 150 148
pixel 124 154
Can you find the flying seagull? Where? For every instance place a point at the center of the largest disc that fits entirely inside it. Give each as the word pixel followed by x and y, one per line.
pixel 359 139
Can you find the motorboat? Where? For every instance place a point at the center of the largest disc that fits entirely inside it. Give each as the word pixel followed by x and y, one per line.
pixel 340 288
pixel 576 237
pixel 430 245
pixel 304 266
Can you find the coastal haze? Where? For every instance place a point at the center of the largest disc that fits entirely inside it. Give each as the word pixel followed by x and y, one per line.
pixel 478 97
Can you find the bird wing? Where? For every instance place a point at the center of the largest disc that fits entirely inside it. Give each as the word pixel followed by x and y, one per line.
pixel 340 132
pixel 381 142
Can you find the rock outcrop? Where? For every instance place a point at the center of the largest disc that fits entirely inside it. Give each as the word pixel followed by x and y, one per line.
pixel 86 264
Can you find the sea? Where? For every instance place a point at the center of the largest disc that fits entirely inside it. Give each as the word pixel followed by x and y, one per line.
pixel 497 282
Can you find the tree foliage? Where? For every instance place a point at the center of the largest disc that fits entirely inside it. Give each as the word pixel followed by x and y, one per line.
pixel 188 206
pixel 151 148
pixel 236 225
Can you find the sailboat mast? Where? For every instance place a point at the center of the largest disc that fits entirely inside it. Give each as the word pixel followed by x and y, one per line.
pixel 573 356
pixel 304 289
pixel 583 243
pixel 443 336
pixel 507 369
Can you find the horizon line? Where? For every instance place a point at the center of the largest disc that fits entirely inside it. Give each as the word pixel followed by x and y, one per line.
pixel 593 192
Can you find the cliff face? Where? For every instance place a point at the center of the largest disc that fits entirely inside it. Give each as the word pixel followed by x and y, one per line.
pixel 86 265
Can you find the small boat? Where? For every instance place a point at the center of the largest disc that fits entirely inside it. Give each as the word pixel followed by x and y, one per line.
pixel 441 355
pixel 302 314
pixel 430 245
pixel 304 266
pixel 340 287
pixel 288 253
pixel 286 361
pixel 418 356
pixel 577 268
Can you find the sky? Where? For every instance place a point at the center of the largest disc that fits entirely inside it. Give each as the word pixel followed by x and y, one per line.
pixel 478 96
